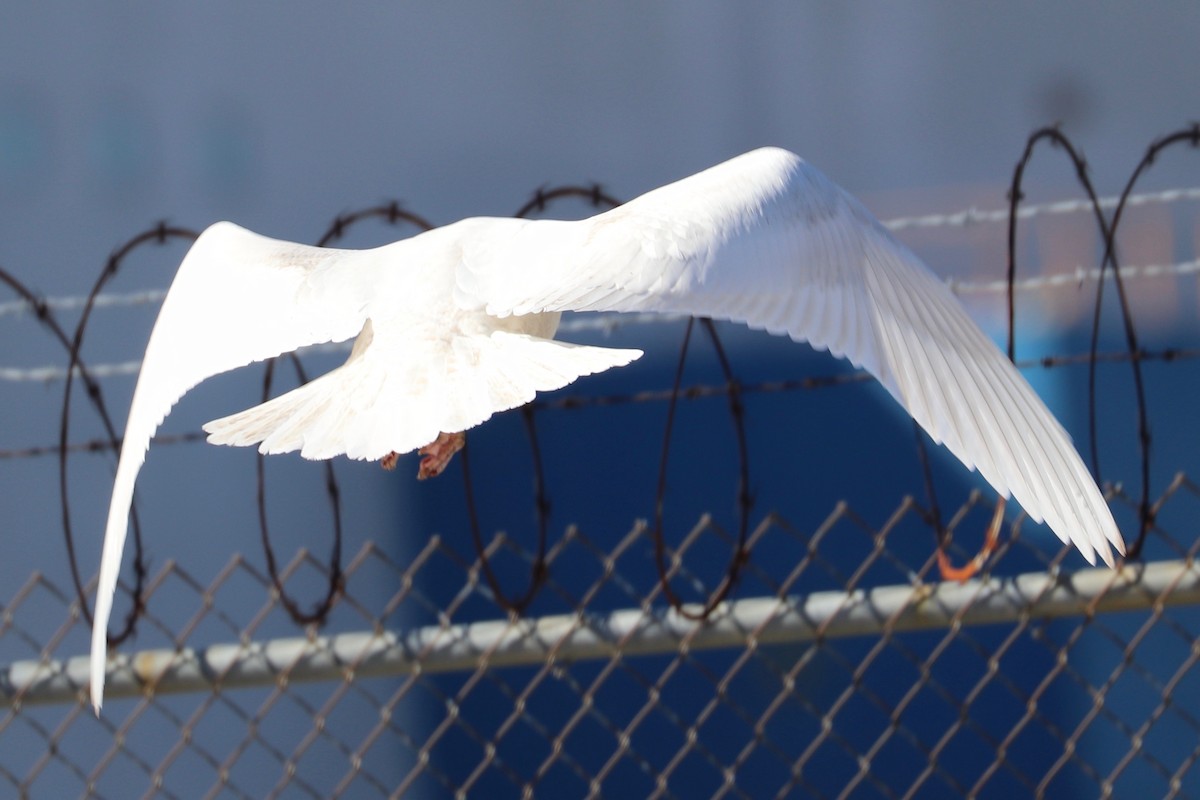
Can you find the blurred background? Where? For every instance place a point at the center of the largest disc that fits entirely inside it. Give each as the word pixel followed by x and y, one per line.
pixel 281 116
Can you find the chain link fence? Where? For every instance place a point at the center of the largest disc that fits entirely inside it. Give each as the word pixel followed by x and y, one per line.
pixel 1050 682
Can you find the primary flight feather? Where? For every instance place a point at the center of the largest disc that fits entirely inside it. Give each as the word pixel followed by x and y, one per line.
pixel 457 324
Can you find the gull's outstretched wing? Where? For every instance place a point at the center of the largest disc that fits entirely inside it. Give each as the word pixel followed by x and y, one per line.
pixel 420 365
pixel 238 298
pixel 767 240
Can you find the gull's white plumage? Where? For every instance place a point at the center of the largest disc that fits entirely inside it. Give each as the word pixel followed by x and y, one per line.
pixel 457 324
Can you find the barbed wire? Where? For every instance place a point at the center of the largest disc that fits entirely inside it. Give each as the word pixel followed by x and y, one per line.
pixel 607 323
pixel 144 297
pixel 393 213
pixel 688 392
pixel 1108 226
pixel 45 310
pixel 973 216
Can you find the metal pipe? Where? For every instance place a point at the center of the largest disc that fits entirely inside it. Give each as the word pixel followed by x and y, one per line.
pixel 575 637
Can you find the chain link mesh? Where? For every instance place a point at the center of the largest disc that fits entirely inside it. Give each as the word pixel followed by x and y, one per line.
pixel 1060 707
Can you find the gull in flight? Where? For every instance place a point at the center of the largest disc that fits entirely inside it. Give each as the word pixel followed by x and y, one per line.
pixel 457 324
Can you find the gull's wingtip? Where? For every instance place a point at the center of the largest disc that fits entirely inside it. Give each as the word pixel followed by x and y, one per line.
pixel 115 530
pixel 1107 555
pixel 96 686
pixel 1089 552
pixel 98 666
pixel 1109 536
pixel 1117 543
pixel 1091 543
pixel 1117 540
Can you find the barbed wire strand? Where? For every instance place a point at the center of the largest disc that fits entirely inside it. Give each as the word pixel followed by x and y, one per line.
pixel 689 392
pixel 393 212
pixel 608 323
pixel 1108 230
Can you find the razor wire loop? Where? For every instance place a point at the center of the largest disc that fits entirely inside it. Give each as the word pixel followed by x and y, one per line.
pixel 159 234
pixel 336 580
pixel 537 570
pixel 744 501
pixel 1058 139
pixel 1108 230
pixel 46 317
pixel 1146 511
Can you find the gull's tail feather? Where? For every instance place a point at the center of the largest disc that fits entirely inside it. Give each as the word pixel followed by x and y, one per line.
pixel 365 411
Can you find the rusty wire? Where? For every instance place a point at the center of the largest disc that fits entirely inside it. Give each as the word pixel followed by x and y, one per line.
pixel 1108 226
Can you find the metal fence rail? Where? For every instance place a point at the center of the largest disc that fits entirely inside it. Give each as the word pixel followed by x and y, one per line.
pixel 579 636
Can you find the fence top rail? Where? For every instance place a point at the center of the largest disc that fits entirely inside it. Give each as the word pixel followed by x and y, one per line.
pixel 629 632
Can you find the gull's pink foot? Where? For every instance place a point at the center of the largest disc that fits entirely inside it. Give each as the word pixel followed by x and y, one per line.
pixel 388 462
pixel 438 454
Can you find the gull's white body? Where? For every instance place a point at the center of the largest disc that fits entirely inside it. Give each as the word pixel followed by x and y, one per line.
pixel 456 324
